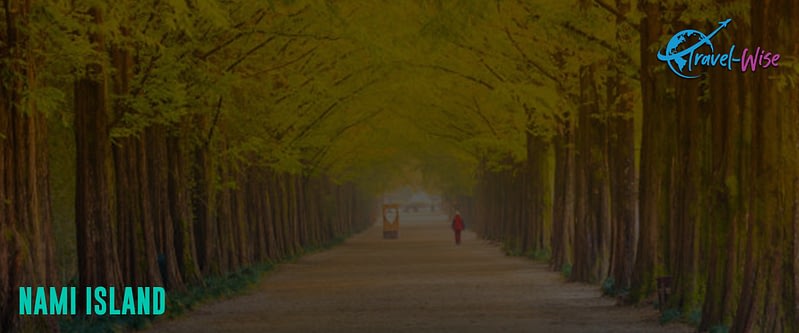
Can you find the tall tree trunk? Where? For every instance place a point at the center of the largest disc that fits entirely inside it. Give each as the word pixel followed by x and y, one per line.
pixel 688 197
pixel 223 222
pixel 97 263
pixel 271 216
pixel 203 203
pixel 537 207
pixel 563 205
pixel 769 297
pixel 180 205
pixel 162 218
pixel 621 153
pixel 592 209
pixel 726 211
pixel 26 252
pixel 657 142
pixel 256 212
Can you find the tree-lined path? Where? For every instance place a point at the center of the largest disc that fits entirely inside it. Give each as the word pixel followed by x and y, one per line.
pixel 187 143
pixel 421 282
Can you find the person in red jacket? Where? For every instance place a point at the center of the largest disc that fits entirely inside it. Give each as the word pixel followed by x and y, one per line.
pixel 457 226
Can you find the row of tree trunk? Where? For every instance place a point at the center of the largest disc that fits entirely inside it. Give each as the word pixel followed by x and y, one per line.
pixel 154 208
pixel 714 205
pixel 719 198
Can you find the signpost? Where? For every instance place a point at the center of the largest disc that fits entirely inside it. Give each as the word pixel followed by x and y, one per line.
pixel 390 221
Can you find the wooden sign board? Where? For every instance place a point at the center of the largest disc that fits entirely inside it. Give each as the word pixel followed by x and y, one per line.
pixel 390 221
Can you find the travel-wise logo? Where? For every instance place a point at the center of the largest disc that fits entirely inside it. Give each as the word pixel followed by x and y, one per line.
pixel 685 54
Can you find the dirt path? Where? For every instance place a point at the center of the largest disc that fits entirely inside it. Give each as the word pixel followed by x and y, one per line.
pixel 420 282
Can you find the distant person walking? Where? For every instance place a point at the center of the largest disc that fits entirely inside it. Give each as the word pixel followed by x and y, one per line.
pixel 458 226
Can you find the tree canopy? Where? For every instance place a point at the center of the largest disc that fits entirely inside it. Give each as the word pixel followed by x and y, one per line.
pixel 208 135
